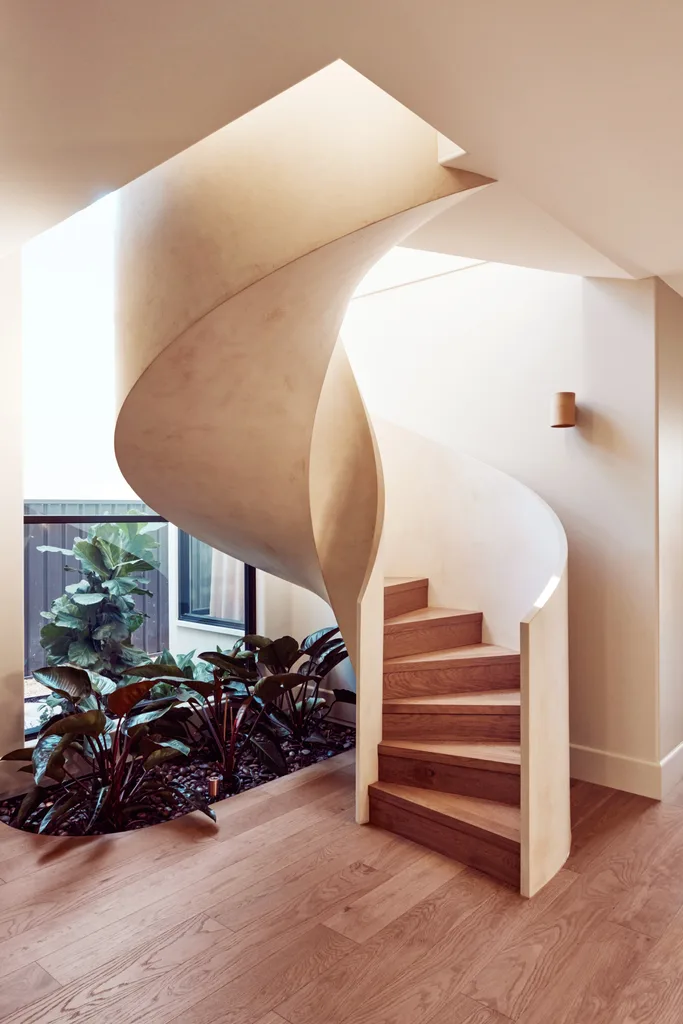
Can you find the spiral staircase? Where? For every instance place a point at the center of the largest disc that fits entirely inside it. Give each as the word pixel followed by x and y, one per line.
pixel 240 420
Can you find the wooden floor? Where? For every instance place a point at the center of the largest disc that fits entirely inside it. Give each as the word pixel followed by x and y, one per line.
pixel 288 912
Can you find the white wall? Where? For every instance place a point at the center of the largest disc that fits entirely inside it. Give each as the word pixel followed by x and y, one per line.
pixel 670 406
pixel 11 522
pixel 472 360
pixel 68 346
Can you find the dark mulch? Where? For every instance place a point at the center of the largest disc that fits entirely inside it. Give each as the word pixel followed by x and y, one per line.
pixel 195 775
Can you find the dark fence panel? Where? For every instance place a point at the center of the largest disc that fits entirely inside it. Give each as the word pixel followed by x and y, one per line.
pixel 45 575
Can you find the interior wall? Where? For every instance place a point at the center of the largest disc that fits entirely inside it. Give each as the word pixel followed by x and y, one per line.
pixel 472 360
pixel 11 517
pixel 670 436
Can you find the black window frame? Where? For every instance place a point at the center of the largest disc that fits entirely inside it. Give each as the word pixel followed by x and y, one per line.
pixel 248 624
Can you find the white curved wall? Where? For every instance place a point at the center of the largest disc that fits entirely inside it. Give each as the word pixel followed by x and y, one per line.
pixel 486 542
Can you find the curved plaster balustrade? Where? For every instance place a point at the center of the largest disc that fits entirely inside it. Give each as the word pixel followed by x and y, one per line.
pixel 487 542
pixel 240 419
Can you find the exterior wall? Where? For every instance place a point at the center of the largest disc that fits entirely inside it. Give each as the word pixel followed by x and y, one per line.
pixel 472 360
pixel 670 408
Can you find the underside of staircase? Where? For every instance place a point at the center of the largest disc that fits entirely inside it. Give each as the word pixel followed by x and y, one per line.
pixel 449 760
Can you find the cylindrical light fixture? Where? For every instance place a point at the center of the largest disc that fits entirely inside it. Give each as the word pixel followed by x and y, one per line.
pixel 564 409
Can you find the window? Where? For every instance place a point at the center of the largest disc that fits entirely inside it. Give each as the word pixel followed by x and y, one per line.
pixel 213 588
pixel 50 530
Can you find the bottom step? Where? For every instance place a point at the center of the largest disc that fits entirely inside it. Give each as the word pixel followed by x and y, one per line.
pixel 481 833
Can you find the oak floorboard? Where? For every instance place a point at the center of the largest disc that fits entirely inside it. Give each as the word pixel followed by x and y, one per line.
pixel 248 996
pixel 548 946
pixel 652 854
pixel 131 983
pixel 386 956
pixel 606 822
pixel 23 987
pixel 364 917
pixel 212 883
pixel 585 991
pixel 654 993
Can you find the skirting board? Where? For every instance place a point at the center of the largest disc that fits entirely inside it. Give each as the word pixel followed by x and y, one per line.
pixel 620 772
pixel 672 769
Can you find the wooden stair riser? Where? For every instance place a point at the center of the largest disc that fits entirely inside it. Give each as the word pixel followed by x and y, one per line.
pixel 475 728
pixel 431 635
pixel 493 674
pixel 484 851
pixel 407 598
pixel 451 778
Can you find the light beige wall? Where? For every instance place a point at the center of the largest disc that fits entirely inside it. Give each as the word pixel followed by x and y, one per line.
pixel 670 409
pixel 472 359
pixel 11 512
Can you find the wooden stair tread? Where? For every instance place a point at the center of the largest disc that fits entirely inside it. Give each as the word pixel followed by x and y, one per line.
pixel 396 584
pixel 499 702
pixel 477 813
pixel 474 653
pixel 421 615
pixel 503 757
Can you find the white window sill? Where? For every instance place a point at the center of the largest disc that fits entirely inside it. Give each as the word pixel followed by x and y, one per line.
pixel 208 628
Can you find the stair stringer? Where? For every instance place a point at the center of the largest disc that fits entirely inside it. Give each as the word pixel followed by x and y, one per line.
pixel 240 420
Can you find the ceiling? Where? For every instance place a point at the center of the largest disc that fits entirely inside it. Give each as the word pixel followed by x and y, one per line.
pixel 574 108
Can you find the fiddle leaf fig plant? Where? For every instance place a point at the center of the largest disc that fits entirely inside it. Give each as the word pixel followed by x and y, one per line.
pixel 92 623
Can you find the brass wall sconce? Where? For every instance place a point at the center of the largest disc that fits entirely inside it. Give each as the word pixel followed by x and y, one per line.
pixel 564 409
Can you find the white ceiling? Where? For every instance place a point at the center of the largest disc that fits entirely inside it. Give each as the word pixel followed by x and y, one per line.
pixel 574 108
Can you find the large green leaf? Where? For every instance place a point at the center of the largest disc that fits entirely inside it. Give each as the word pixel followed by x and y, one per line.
pixel 158 757
pixel 193 799
pixel 331 661
pixel 137 565
pixel 99 803
pixel 269 688
pixel 121 585
pixel 310 704
pixel 157 671
pixel 254 640
pixel 82 587
pixel 90 557
pixel 131 655
pixel 59 810
pixel 124 699
pixel 313 643
pixel 269 754
pixel 280 655
pixel 23 754
pixel 71 682
pixel 233 666
pixel 83 654
pixel 113 628
pixel 166 749
pixel 86 723
pixel 87 599
pixel 345 696
pixel 48 757
pixel 101 684
pixel 144 717
pixel 28 805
